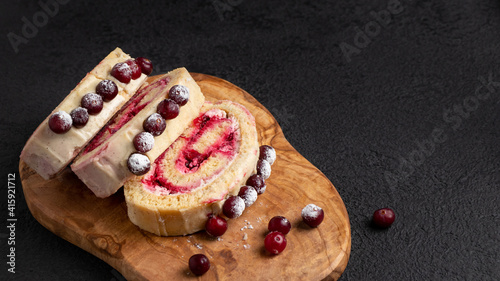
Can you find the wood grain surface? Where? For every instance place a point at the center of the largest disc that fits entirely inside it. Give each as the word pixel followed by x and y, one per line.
pixel 101 226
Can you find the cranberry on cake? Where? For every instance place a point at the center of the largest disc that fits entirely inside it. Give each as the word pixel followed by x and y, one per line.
pixel 190 181
pixel 122 149
pixel 79 117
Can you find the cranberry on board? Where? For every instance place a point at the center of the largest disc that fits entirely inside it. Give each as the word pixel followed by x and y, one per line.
pixel 312 215
pixel 216 226
pixel 233 207
pixel 263 169
pixel 275 242
pixel 257 182
pixel 267 153
pixel 248 194
pixel 280 224
pixel 199 264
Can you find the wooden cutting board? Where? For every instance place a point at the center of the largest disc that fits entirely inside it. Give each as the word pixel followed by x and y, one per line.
pixel 101 226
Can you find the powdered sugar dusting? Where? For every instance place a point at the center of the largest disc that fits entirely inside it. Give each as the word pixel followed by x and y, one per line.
pixel 248 194
pixel 264 169
pixel 267 153
pixel 311 211
pixel 137 163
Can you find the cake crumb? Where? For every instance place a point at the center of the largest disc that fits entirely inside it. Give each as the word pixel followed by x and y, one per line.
pixel 245 237
pixel 246 246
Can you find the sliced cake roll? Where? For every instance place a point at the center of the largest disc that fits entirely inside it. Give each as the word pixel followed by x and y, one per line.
pixel 210 161
pixel 152 120
pixel 80 116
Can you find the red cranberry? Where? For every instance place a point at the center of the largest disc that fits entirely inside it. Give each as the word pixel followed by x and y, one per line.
pixel 122 72
pixel 138 164
pixel 134 67
pixel 263 169
pixel 199 264
pixel 145 65
pixel 92 102
pixel 60 122
pixel 179 93
pixel 312 215
pixel 233 207
pixel 80 117
pixel 267 153
pixel 144 142
pixel 168 109
pixel 275 242
pixel 248 194
pixel 216 226
pixel 107 89
pixel 155 124
pixel 258 183
pixel 280 224
pixel 384 217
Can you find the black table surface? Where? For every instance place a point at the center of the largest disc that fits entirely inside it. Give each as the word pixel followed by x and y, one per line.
pixel 396 102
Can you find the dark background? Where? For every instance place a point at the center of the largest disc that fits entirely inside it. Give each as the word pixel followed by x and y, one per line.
pixel 367 120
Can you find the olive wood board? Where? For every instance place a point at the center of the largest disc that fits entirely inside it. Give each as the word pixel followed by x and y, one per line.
pixel 66 207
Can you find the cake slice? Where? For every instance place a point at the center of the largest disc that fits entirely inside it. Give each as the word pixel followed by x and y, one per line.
pixel 211 160
pixel 138 134
pixel 79 117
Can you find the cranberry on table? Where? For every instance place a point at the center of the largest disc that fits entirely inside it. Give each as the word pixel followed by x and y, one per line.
pixel 154 124
pixel 275 242
pixel 92 102
pixel 138 164
pixel 79 116
pixel 267 153
pixel 134 68
pixel 145 65
pixel 179 94
pixel 216 226
pixel 313 215
pixel 199 264
pixel 263 169
pixel 168 109
pixel 233 207
pixel 60 122
pixel 248 194
pixel 384 217
pixel 144 142
pixel 107 89
pixel 122 72
pixel 280 224
pixel 258 183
